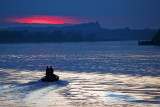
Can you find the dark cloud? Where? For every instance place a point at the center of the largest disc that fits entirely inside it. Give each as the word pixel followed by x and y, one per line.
pixel 131 10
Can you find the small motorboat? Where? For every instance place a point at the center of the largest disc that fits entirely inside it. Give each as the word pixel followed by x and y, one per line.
pixel 50 78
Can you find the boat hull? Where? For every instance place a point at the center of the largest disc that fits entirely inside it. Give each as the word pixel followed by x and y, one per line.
pixel 50 78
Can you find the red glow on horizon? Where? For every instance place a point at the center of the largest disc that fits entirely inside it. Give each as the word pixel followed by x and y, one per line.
pixel 43 19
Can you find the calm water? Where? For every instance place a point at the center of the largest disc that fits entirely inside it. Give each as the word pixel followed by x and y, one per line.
pixel 22 65
pixel 105 57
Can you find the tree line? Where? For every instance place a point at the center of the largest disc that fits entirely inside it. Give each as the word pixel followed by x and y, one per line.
pixel 42 36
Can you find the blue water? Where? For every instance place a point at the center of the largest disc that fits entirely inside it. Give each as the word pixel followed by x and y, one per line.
pixel 124 57
pixel 20 64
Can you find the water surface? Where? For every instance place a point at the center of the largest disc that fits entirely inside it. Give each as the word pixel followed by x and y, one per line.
pixel 91 73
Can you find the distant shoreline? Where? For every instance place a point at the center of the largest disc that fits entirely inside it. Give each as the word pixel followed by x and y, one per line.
pixel 66 42
pixel 85 32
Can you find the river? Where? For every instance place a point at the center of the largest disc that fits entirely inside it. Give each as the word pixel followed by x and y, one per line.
pixel 91 74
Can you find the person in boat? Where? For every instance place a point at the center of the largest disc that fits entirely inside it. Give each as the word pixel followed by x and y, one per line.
pixel 49 75
pixel 47 72
pixel 51 71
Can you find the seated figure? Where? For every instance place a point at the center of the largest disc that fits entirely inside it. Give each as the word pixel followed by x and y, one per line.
pixel 51 70
pixel 47 72
pixel 50 76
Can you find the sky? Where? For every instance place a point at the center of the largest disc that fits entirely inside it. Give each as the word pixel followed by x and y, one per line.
pixel 109 13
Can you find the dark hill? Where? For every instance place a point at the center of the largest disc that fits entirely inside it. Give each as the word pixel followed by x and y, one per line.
pixel 156 38
pixel 73 33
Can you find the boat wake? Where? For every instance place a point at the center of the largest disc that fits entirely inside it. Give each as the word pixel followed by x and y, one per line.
pixel 28 92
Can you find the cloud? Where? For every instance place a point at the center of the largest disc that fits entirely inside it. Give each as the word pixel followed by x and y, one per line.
pixel 46 19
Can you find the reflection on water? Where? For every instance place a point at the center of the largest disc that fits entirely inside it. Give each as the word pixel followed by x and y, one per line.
pixel 20 91
pixel 79 89
pixel 91 74
pixel 118 97
pixel 106 89
pixel 105 57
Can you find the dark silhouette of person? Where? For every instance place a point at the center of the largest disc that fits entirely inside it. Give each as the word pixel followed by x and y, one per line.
pixel 47 71
pixel 51 70
pixel 49 75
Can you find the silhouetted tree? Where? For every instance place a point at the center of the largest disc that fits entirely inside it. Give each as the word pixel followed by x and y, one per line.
pixel 58 36
pixel 4 36
pixel 74 36
pixel 156 38
pixel 90 37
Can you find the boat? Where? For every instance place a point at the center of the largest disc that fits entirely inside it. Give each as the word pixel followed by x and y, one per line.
pixel 50 78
